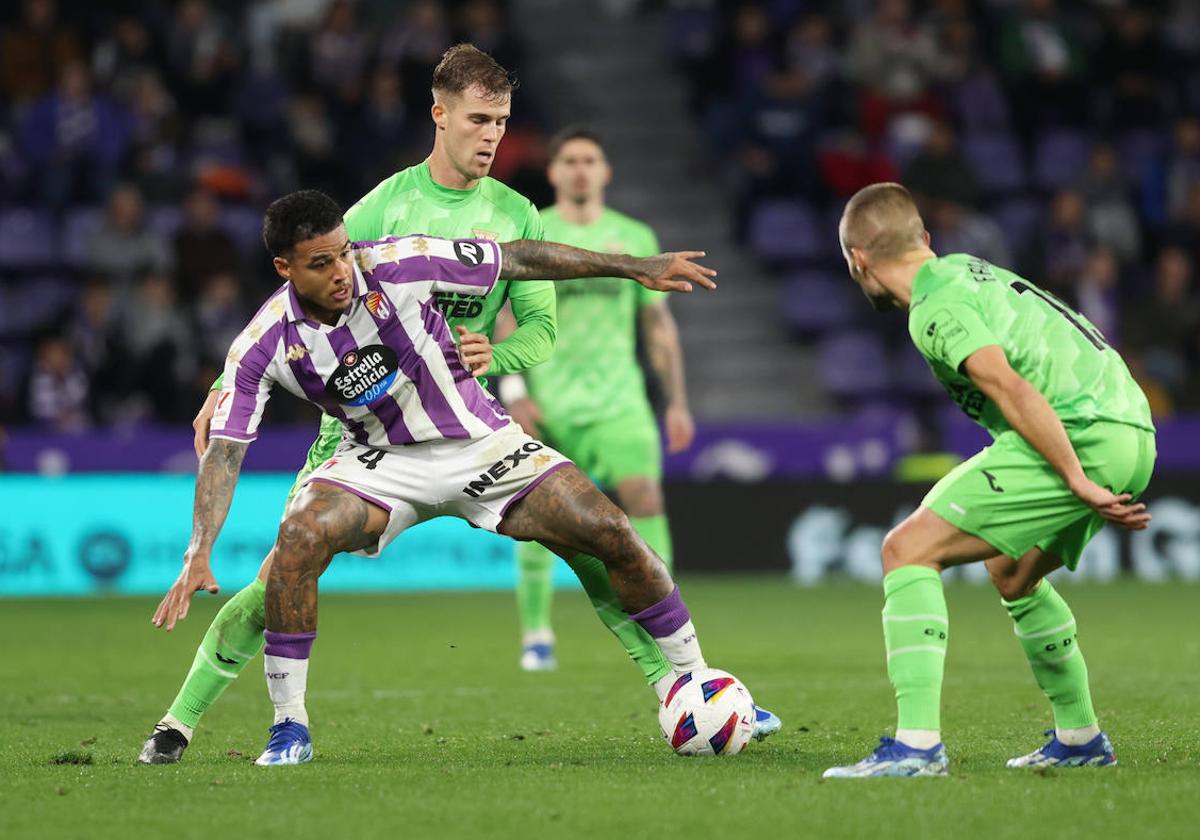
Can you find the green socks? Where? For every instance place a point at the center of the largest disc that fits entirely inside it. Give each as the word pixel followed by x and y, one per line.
pixel 535 586
pixel 1046 629
pixel 915 629
pixel 233 639
pixel 641 648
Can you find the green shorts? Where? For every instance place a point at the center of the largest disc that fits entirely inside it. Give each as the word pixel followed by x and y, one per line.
pixel 611 450
pixel 328 438
pixel 1010 497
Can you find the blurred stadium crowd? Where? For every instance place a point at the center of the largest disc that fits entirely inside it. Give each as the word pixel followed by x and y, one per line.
pixel 1058 138
pixel 140 140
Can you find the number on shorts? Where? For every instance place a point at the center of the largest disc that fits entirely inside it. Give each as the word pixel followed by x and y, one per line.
pixel 1091 335
pixel 371 458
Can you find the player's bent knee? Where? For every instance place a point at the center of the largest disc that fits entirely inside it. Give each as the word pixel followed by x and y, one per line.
pixel 299 543
pixel 898 550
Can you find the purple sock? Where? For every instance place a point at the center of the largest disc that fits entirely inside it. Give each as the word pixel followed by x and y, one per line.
pixel 665 617
pixel 289 645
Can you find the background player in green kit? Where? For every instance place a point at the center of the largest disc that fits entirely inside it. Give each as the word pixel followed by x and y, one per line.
pixel 1074 446
pixel 590 400
pixel 448 195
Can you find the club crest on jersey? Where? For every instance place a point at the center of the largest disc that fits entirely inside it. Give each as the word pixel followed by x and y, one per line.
pixel 480 233
pixel 363 376
pixel 377 305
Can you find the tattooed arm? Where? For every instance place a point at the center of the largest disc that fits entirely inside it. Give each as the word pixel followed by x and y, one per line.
pixel 219 469
pixel 529 259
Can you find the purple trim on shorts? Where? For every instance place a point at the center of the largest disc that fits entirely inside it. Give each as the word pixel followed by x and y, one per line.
pixel 665 617
pixel 364 496
pixel 525 490
pixel 289 645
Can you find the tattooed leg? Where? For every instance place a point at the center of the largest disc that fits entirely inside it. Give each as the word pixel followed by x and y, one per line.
pixel 322 521
pixel 568 514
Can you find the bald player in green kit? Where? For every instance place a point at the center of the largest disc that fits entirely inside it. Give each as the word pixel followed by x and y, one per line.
pixel 1073 449
pixel 590 400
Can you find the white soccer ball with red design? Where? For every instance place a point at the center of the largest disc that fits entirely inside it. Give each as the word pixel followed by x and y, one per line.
pixel 707 712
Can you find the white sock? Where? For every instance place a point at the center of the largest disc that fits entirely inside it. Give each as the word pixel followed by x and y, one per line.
pixel 1077 737
pixel 172 722
pixel 538 637
pixel 663 684
pixel 287 680
pixel 919 739
pixel 682 649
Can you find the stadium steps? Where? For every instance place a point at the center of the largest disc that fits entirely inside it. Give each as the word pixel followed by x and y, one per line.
pixel 741 362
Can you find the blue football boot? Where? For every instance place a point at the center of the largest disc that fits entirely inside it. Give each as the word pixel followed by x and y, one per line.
pixel 892 758
pixel 1097 752
pixel 290 744
pixel 766 723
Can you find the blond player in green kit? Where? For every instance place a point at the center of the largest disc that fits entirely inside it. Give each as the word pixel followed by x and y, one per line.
pixel 1074 447
pixel 590 400
pixel 447 195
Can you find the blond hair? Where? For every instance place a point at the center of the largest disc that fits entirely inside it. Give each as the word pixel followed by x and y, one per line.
pixel 882 220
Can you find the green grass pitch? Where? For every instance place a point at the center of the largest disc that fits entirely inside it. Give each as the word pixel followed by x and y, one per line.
pixel 424 727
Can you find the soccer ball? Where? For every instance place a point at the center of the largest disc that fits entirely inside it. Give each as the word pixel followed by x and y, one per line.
pixel 707 712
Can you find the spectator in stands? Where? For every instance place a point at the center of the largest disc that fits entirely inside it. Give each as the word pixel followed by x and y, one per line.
pixel 1184 230
pixel 894 58
pixel 382 129
pixel 58 387
pixel 124 57
pixel 414 43
pixel 201 58
pixel 220 314
pixel 956 228
pixel 1130 62
pixel 339 52
pixel 1096 292
pixel 1060 247
pixel 96 332
pixel 481 22
pixel 202 247
pixel 810 50
pixel 33 52
pixel 156 136
pixel 74 138
pixel 1044 61
pixel 940 171
pixel 122 247
pixel 1183 166
pixel 161 348
pixel 1161 331
pixel 1110 215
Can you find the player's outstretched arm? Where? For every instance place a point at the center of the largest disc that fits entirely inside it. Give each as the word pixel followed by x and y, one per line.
pixel 1027 411
pixel 219 470
pixel 530 259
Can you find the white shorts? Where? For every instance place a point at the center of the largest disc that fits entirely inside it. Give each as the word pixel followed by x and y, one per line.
pixel 476 480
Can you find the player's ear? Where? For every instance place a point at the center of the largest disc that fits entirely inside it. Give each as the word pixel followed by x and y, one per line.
pixel 438 113
pixel 282 268
pixel 607 174
pixel 926 238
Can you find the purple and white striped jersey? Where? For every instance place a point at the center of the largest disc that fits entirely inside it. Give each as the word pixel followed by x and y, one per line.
pixel 389 369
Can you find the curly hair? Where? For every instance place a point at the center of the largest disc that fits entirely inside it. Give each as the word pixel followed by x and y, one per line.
pixel 297 217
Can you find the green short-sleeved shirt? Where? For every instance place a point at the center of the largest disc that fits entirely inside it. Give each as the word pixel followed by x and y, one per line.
pixel 594 373
pixel 961 303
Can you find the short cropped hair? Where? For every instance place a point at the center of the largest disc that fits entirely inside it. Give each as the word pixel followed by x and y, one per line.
pixel 882 220
pixel 572 132
pixel 297 217
pixel 464 66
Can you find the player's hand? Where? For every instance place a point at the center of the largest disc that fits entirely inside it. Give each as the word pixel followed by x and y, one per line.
pixel 1115 508
pixel 474 351
pixel 202 421
pixel 681 429
pixel 527 415
pixel 196 575
pixel 673 272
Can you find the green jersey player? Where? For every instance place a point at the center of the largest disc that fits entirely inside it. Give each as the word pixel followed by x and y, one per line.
pixel 590 397
pixel 590 400
pixel 1074 447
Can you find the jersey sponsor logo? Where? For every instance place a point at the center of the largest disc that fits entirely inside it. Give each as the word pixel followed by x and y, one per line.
pixel 480 233
pixel 455 305
pixel 377 305
pixel 363 376
pixel 981 272
pixel 501 468
pixel 469 254
pixel 296 352
pixel 943 334
pixel 224 406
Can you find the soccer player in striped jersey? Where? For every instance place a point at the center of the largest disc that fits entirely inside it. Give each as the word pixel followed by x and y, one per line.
pixel 1074 447
pixel 357 331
